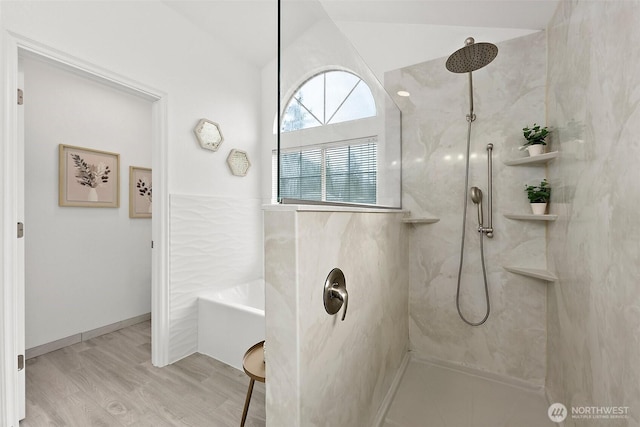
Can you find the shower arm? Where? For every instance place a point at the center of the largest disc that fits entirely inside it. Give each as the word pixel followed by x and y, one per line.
pixel 471 116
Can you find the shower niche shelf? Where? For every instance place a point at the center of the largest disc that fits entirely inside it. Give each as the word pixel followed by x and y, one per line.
pixel 533 272
pixel 535 160
pixel 417 221
pixel 531 217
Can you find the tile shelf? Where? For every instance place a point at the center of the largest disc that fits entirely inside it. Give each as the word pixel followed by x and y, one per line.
pixel 535 160
pixel 417 221
pixel 531 217
pixel 536 273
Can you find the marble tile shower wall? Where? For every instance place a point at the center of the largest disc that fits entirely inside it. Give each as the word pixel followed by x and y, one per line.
pixel 594 311
pixel 216 242
pixel 509 94
pixel 322 371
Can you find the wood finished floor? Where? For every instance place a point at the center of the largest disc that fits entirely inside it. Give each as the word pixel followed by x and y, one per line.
pixel 110 381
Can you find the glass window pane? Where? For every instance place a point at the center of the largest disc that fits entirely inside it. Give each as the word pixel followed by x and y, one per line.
pixel 339 85
pixel 351 173
pixel 311 188
pixel 359 104
pixel 296 117
pixel 330 97
pixel 311 163
pixel 362 158
pixel 337 160
pixel 311 95
pixel 362 188
pixel 290 165
pixel 290 188
pixel 338 188
pixel 301 175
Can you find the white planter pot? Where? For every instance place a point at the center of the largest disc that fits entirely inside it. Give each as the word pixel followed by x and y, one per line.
pixel 539 208
pixel 93 195
pixel 535 149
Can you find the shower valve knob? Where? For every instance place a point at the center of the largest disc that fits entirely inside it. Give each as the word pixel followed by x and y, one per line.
pixel 335 294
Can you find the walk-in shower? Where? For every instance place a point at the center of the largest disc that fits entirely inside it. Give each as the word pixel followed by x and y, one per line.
pixel 472 57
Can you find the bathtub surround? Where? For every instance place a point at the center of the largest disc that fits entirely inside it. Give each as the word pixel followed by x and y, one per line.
pixel 594 310
pixel 322 371
pixel 216 243
pixel 508 94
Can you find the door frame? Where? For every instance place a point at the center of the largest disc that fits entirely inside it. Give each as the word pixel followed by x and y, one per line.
pixel 15 46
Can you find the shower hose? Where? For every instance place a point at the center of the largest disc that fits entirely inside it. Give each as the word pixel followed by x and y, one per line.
pixel 464 226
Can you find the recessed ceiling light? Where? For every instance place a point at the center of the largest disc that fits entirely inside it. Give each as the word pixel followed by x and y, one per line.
pixel 403 93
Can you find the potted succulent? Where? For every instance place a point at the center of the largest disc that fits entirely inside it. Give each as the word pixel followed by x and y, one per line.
pixel 535 136
pixel 539 196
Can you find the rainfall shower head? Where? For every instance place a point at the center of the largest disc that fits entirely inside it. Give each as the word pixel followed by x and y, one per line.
pixel 476 195
pixel 472 57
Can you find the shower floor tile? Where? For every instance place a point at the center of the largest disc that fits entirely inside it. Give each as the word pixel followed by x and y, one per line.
pixel 435 396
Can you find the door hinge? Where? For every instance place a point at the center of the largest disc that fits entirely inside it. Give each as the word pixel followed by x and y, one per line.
pixel 20 362
pixel 20 97
pixel 20 230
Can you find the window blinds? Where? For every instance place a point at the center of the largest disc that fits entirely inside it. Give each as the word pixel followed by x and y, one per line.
pixel 334 173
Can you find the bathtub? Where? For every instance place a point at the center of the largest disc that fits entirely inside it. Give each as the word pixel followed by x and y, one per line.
pixel 231 321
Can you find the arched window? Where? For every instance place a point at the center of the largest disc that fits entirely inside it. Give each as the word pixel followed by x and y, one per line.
pixel 328 98
pixel 332 171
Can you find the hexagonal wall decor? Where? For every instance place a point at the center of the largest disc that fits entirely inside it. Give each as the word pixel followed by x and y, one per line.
pixel 238 162
pixel 208 134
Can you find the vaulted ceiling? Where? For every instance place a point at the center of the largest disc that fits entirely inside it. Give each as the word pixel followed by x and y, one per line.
pixel 385 32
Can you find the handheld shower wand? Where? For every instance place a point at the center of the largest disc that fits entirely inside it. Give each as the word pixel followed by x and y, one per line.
pixel 476 197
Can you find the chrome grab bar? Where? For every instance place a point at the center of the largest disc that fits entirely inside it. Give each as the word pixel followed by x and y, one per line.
pixel 489 230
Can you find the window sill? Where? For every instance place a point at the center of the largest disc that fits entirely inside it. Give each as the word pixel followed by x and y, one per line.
pixel 330 208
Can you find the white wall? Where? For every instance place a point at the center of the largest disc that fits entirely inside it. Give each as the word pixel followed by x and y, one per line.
pixel 148 42
pixel 269 92
pixel 85 268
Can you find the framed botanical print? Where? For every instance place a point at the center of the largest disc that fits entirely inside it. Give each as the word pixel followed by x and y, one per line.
pixel 88 178
pixel 140 200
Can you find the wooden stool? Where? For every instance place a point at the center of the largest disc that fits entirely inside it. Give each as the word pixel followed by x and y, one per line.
pixel 253 365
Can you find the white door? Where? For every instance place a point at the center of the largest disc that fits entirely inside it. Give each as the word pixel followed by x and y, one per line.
pixel 20 312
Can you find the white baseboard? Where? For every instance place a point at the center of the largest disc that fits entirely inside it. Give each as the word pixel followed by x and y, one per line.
pixel 52 346
pixel 84 336
pixel 388 399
